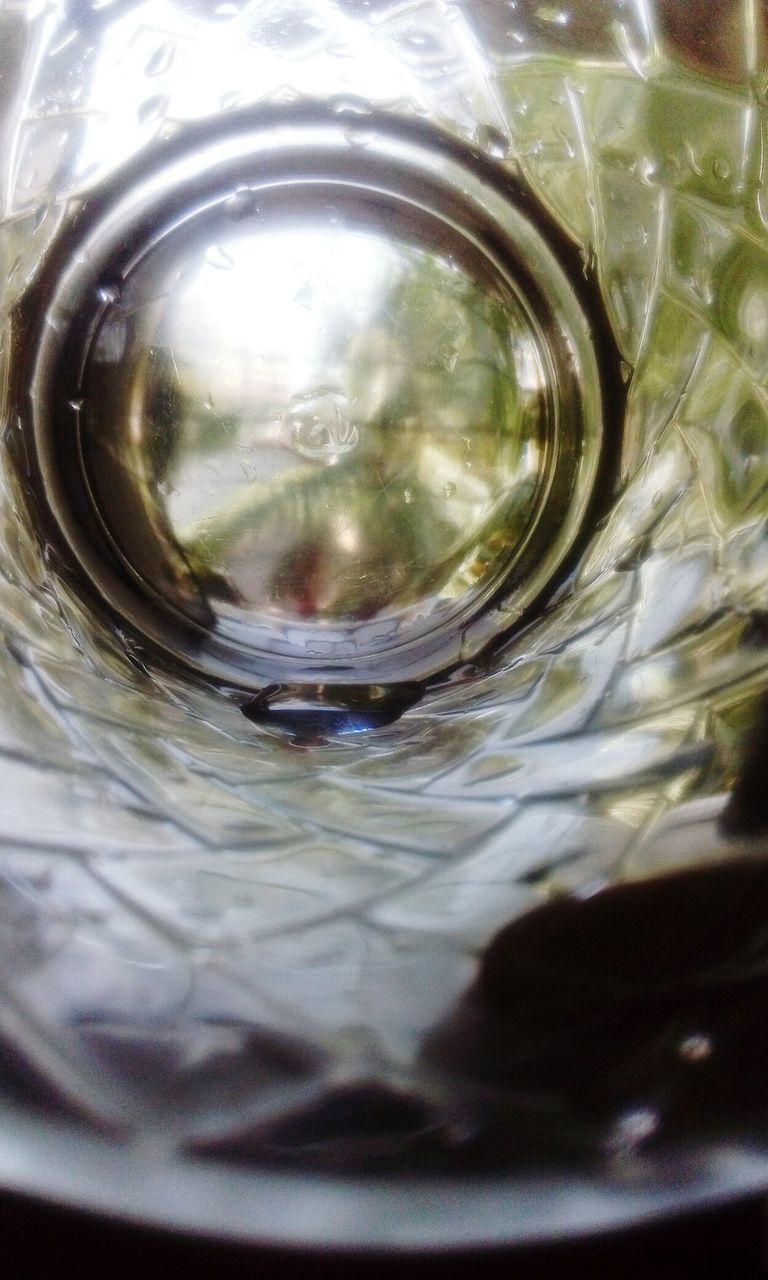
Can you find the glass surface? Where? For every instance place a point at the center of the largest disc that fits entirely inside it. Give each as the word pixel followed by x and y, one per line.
pixel 308 398
pixel 512 925
pixel 336 374
pixel 325 420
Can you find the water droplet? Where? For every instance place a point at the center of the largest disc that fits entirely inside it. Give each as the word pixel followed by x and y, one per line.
pixel 696 1048
pixel 218 257
pixel 243 204
pixel 39 217
pixel 108 294
pixel 229 100
pixel 153 108
pixel 568 144
pixel 357 137
pixel 556 17
pixel 449 489
pixel 408 496
pixel 161 60
pixel 721 168
pixel 168 129
pixel 317 425
pixel 493 141
pixel 348 104
pixel 633 1129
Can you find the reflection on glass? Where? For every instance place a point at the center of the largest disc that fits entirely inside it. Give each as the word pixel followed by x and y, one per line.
pixel 314 419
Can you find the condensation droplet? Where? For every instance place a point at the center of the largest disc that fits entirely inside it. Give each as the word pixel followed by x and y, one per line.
pixel 349 104
pixel 696 1048
pixel 242 204
pixel 493 141
pixel 317 425
pixel 340 49
pixel 218 257
pixel 153 108
pixel 555 17
pixel 350 353
pixel 633 1129
pixel 161 60
pixel 569 146
pixel 229 100
pixel 357 137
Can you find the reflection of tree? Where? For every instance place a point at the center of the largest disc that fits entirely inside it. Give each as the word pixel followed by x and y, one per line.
pixel 430 383
pixel 153 463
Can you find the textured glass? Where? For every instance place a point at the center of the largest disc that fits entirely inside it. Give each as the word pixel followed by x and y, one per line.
pixel 517 930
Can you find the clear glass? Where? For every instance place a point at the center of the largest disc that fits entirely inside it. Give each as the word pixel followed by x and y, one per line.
pixel 260 974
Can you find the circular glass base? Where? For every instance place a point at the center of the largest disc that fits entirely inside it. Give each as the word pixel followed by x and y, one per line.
pixel 312 398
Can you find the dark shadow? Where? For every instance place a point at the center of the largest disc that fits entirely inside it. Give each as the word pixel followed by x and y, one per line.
pixel 634 1017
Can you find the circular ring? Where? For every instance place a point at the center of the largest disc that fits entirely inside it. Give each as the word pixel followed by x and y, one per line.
pixel 315 401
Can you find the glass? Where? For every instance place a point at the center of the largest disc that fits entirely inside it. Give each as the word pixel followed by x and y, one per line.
pixel 382 564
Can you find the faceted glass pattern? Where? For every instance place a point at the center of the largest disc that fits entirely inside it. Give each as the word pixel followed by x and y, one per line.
pixel 229 955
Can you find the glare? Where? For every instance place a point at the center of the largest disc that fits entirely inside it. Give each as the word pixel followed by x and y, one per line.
pixel 240 62
pixel 224 330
